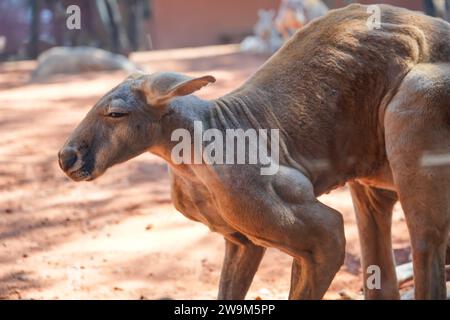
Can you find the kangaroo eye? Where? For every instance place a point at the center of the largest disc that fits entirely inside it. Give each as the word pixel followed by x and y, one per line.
pixel 117 114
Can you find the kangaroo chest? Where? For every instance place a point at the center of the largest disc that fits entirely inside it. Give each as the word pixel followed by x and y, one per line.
pixel 197 203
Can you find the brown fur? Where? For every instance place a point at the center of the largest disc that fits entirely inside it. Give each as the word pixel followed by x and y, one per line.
pixel 352 104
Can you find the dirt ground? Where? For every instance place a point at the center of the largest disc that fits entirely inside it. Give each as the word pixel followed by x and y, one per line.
pixel 119 237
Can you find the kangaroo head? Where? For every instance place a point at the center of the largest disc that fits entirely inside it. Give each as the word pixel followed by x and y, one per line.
pixel 124 123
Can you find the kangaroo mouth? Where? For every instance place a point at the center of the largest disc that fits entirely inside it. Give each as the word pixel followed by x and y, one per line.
pixel 84 172
pixel 80 175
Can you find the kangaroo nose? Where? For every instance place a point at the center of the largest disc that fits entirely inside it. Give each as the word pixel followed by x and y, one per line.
pixel 67 158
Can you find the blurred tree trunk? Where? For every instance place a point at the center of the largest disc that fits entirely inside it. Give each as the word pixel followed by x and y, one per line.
pixel 112 20
pixel 59 15
pixel 33 45
pixel 429 8
pixel 113 28
pixel 134 14
pixel 447 10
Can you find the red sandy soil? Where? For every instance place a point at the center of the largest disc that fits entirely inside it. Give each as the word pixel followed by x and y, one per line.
pixel 119 237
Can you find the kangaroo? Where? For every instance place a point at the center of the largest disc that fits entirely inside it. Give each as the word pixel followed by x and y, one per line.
pixel 370 105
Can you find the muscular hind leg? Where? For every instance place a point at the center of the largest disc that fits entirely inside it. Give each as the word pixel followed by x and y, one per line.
pixel 417 129
pixel 288 217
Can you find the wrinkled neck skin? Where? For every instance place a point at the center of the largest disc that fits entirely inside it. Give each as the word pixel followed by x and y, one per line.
pixel 251 108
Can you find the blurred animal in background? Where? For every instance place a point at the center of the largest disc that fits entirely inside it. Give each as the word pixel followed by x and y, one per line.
pixel 273 29
pixel 66 60
pixel 266 38
pixel 294 14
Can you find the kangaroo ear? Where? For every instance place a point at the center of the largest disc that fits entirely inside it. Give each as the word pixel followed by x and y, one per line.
pixel 191 85
pixel 159 88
